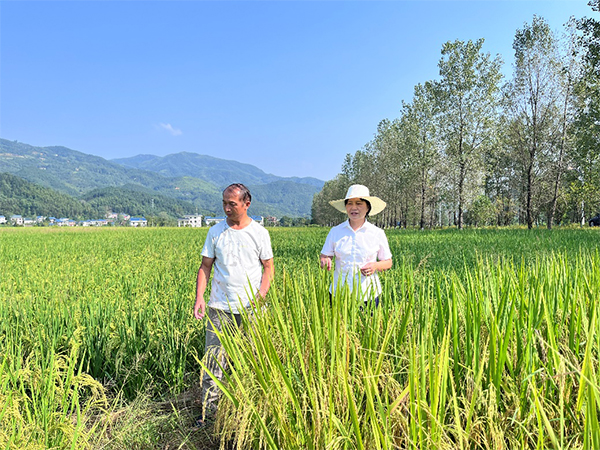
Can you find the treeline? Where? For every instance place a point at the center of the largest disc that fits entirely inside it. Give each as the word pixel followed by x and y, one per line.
pixel 472 148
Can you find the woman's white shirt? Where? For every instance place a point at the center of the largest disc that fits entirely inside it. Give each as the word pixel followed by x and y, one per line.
pixel 353 250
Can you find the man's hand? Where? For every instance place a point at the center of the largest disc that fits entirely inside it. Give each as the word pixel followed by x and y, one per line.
pixel 326 262
pixel 199 308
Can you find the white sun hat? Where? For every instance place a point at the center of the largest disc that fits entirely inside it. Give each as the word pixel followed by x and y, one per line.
pixel 359 191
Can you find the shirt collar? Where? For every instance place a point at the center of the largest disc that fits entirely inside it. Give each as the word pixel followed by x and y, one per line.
pixel 364 225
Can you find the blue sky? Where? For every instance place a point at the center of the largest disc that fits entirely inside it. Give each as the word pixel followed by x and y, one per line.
pixel 290 87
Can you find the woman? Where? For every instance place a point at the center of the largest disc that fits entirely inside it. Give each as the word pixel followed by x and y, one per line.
pixel 360 248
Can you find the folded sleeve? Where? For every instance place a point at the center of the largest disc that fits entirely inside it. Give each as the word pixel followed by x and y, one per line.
pixel 384 252
pixel 209 247
pixel 266 250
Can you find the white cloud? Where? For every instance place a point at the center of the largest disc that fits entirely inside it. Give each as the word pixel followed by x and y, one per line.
pixel 170 129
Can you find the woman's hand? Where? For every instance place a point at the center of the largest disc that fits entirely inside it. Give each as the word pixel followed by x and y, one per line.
pixel 369 269
pixel 326 262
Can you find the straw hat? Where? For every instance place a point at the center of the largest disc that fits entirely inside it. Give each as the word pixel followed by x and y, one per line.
pixel 359 191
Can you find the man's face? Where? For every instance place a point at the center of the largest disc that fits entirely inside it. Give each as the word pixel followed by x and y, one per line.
pixel 233 206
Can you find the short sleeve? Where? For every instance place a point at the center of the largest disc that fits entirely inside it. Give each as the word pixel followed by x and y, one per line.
pixel 384 252
pixel 328 248
pixel 266 251
pixel 209 245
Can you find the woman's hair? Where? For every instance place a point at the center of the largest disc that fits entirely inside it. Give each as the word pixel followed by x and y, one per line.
pixel 366 201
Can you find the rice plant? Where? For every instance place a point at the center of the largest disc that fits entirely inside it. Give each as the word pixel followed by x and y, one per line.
pixel 484 339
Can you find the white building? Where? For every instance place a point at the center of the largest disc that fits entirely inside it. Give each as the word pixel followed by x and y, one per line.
pixel 65 222
pixel 16 219
pixel 190 220
pixel 138 222
pixel 213 220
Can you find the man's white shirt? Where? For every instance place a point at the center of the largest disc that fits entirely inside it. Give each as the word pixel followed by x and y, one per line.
pixel 237 263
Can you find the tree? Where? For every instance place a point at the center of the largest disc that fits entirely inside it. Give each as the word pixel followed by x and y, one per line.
pixel 468 100
pixel 586 127
pixel 533 110
pixel 567 76
pixel 481 212
pixel 419 143
pixel 322 212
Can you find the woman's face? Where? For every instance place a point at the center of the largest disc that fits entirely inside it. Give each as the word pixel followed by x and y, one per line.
pixel 356 209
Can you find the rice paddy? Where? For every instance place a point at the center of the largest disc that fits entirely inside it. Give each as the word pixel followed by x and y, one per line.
pixel 485 339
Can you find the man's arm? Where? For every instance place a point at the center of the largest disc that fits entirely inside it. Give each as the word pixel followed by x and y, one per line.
pixel 201 283
pixel 267 276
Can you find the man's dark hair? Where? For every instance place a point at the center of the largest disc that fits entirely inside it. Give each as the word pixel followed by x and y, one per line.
pixel 245 195
pixel 364 200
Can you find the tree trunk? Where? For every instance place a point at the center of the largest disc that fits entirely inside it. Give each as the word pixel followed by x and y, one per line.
pixel 528 214
pixel 423 190
pixel 461 184
pixel 563 139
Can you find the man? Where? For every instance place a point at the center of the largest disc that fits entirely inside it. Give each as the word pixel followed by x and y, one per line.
pixel 240 251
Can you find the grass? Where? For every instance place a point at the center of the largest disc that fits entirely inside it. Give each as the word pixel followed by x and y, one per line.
pixel 487 339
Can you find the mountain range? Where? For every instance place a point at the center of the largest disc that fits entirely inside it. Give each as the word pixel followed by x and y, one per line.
pixel 194 182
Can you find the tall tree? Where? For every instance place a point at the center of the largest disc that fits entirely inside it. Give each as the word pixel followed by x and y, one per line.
pixel 568 73
pixel 419 133
pixel 586 129
pixel 468 96
pixel 533 106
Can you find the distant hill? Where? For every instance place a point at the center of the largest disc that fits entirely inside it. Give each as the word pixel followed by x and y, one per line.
pixel 220 172
pixel 137 201
pixel 284 195
pixel 77 174
pixel 18 196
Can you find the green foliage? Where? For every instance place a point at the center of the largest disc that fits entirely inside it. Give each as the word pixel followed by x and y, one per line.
pixel 18 196
pixel 481 212
pixel 282 196
pixel 322 212
pixel 137 201
pixel 480 333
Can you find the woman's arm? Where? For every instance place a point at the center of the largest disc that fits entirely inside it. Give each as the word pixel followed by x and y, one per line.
pixel 326 261
pixel 378 266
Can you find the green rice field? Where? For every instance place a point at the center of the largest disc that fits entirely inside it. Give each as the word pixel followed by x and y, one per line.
pixel 485 339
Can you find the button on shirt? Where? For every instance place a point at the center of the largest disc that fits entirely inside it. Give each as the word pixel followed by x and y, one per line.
pixel 353 250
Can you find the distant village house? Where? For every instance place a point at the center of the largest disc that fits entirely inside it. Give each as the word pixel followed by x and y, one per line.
pixel 16 219
pixel 210 221
pixel 190 220
pixel 138 222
